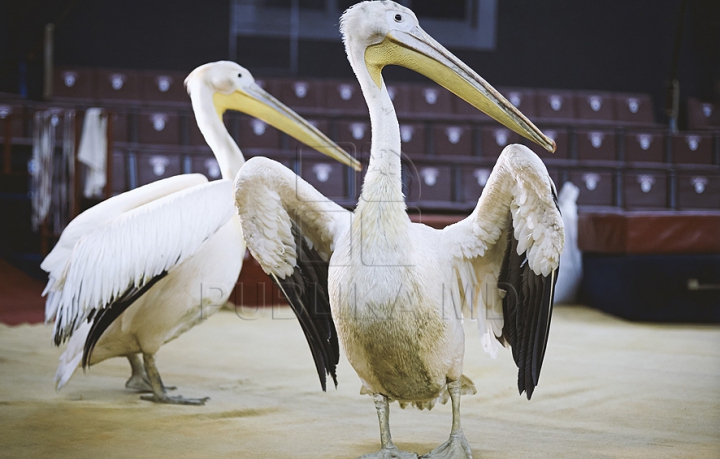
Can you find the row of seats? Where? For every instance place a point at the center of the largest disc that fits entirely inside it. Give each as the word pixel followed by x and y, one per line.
pixel 629 188
pixel 422 101
pixel 420 138
pixel 439 185
pixel 702 115
pixel 106 85
pixel 318 96
pixel 607 163
pixel 153 88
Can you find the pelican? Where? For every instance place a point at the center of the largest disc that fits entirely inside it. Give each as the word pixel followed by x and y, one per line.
pixel 397 289
pixel 141 268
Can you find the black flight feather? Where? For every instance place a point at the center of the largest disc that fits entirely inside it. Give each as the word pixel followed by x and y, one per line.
pixel 527 310
pixel 103 318
pixel 307 292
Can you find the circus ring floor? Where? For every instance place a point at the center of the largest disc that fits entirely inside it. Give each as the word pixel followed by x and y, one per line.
pixel 609 389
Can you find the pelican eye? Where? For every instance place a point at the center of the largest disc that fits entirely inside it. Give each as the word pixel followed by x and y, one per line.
pixel 239 75
pixel 398 18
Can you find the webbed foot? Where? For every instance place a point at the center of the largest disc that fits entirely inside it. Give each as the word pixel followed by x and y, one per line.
pixel 390 453
pixel 456 447
pixel 175 400
pixel 138 384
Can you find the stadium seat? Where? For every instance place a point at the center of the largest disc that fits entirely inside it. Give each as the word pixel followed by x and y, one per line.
pixel 156 127
pixel 354 136
pixel 300 93
pixel 644 146
pixel 74 83
pixel 255 133
pixel 153 166
pixel 327 176
pixel 645 189
pixel 453 140
pixel 14 115
pixel 120 85
pixel 164 87
pixel 494 139
pixel 474 178
pixel 698 189
pixel 702 115
pixel 206 165
pixel 344 96
pixel 692 148
pixel 595 106
pixel 412 136
pixel 596 186
pixel 429 182
pixel 634 108
pixel 555 104
pixel 430 99
pixel 596 144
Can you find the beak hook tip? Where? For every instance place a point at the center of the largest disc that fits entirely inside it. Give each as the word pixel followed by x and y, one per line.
pixel 552 146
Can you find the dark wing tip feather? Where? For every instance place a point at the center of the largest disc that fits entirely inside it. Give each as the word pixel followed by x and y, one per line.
pixel 103 318
pixel 527 310
pixel 307 292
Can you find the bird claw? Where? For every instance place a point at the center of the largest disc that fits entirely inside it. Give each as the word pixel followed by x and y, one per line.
pixel 176 400
pixel 456 447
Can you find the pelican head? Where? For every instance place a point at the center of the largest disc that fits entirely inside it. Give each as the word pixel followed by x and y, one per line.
pixel 380 33
pixel 234 88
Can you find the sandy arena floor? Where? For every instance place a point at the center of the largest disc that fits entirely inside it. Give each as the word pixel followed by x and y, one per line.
pixel 609 389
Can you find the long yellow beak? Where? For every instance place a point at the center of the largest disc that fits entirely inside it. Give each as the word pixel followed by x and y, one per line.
pixel 418 51
pixel 259 103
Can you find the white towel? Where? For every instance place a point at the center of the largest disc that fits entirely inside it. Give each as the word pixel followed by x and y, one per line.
pixel 93 152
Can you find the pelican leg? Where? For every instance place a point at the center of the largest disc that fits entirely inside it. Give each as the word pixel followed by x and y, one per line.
pixel 159 394
pixel 388 449
pixel 139 380
pixel 457 446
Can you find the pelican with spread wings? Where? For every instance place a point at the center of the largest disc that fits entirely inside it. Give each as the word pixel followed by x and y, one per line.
pixel 396 288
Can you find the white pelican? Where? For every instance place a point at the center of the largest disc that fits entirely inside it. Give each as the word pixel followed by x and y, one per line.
pixel 139 269
pixel 396 288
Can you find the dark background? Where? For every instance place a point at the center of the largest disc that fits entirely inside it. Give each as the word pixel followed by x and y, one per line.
pixel 614 45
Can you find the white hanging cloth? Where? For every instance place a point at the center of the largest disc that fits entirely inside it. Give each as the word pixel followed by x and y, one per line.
pixel 52 168
pixel 63 186
pixel 41 166
pixel 93 152
pixel 570 274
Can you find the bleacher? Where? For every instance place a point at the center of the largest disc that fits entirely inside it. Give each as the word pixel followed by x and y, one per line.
pixel 608 144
